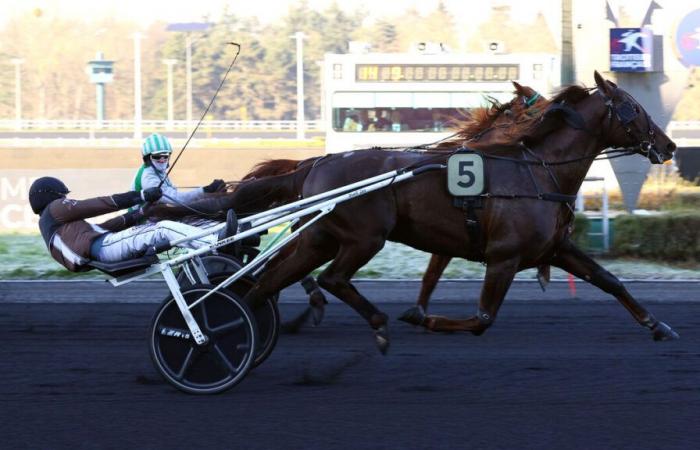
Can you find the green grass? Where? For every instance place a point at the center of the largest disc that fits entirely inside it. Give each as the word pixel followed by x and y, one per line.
pixel 26 257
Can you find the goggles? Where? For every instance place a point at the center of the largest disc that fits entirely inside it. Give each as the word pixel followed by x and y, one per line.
pixel 160 156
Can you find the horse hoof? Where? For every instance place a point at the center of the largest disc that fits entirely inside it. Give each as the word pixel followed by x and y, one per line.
pixel 414 316
pixel 317 313
pixel 381 337
pixel 663 332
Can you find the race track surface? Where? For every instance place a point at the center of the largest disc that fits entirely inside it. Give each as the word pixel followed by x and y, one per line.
pixel 554 372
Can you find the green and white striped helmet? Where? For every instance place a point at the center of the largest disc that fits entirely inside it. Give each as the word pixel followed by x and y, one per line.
pixel 156 143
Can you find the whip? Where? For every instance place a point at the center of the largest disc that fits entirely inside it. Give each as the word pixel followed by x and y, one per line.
pixel 182 150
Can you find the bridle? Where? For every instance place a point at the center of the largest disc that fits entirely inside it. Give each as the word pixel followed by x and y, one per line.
pixel 626 113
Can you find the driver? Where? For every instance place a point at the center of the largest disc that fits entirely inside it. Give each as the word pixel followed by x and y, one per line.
pixel 74 242
pixel 156 151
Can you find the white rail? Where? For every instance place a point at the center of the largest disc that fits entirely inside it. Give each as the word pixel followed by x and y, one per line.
pixel 157 125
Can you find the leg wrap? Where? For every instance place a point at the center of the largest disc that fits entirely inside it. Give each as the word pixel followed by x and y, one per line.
pixel 649 322
pixel 485 318
pixel 309 284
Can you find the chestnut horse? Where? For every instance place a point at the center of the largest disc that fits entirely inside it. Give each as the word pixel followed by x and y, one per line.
pixel 524 221
pixel 484 126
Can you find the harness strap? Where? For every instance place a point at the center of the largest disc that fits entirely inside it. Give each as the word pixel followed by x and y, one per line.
pixel 556 197
pixel 469 206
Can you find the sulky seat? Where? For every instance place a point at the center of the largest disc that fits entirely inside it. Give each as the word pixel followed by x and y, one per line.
pixel 120 268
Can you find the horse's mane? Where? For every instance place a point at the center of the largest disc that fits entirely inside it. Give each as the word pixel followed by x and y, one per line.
pixel 481 120
pixel 570 94
pixel 524 121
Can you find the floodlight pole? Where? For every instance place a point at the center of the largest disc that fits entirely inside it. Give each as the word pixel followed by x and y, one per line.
pixel 137 87
pixel 299 36
pixel 171 115
pixel 18 92
pixel 188 69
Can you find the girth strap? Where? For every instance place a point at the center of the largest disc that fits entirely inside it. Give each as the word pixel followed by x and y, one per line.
pixel 556 197
pixel 469 205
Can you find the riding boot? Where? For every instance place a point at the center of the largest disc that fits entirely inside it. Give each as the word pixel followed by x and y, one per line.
pixel 231 225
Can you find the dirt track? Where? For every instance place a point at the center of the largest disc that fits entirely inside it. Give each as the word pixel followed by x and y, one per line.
pixel 552 373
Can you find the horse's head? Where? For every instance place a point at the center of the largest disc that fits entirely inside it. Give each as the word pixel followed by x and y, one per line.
pixel 633 126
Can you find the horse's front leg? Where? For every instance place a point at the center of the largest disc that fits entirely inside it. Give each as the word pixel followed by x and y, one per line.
pixel 436 267
pixel 574 261
pixel 499 276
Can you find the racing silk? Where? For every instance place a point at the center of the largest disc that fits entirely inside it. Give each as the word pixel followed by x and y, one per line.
pixel 148 177
pixel 68 236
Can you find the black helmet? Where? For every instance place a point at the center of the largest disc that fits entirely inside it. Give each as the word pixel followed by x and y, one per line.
pixel 45 190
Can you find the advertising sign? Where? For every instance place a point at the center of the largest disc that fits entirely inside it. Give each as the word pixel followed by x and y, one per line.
pixel 631 50
pixel 688 39
pixel 15 213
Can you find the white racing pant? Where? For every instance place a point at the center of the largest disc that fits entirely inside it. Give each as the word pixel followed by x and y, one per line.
pixel 130 243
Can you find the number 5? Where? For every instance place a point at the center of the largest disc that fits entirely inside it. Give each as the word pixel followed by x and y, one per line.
pixel 464 171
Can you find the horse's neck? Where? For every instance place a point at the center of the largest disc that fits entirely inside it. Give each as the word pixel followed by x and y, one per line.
pixel 568 144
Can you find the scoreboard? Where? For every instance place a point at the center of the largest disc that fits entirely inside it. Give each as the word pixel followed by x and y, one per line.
pixel 405 99
pixel 431 73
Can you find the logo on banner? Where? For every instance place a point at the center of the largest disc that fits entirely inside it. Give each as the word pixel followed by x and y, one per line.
pixel 631 49
pixel 15 212
pixel 688 39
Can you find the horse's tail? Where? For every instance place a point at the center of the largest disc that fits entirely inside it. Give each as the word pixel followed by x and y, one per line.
pixel 257 195
pixel 273 167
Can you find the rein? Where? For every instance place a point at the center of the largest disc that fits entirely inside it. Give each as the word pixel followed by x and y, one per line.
pixel 194 210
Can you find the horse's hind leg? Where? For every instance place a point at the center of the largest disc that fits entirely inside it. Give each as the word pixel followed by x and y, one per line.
pixel 436 267
pixel 288 268
pixel 574 261
pixel 336 280
pixel 317 301
pixel 499 276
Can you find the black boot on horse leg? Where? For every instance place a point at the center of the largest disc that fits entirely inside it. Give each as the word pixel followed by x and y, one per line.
pixel 416 314
pixel 574 261
pixel 499 276
pixel 317 301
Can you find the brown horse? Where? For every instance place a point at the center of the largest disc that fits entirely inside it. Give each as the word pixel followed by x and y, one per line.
pixel 525 221
pixel 483 126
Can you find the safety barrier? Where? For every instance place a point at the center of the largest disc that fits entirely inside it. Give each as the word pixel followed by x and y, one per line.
pixel 158 125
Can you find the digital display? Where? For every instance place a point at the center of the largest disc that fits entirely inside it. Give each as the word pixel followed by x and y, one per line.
pixel 447 73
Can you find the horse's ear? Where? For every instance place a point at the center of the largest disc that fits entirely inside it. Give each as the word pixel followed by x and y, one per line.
pixel 602 84
pixel 519 89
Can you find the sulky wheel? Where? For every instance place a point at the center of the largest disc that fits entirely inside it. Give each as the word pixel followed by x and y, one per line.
pixel 267 317
pixel 212 264
pixel 223 361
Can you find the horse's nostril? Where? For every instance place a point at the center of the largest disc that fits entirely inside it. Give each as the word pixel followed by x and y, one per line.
pixel 671 147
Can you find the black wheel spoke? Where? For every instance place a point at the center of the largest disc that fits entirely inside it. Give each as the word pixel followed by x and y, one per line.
pixel 224 360
pixel 186 363
pixel 228 327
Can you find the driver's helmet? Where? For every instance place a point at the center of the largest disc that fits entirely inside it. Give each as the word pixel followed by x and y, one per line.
pixel 156 144
pixel 44 190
